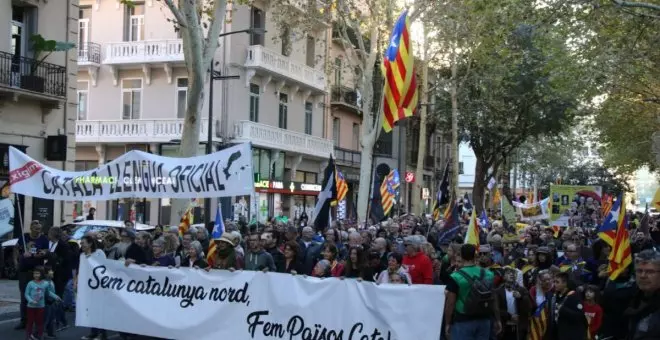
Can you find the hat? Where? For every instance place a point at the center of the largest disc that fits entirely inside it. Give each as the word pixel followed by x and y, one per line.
pixel 226 238
pixel 485 248
pixel 543 250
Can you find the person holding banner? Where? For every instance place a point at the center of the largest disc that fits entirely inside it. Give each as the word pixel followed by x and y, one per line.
pixel 88 248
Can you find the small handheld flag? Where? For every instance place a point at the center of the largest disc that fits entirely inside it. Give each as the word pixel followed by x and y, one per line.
pixel 218 230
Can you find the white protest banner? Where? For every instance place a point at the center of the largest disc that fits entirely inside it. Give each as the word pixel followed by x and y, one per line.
pixel 6 216
pixel 194 304
pixel 533 211
pixel 138 174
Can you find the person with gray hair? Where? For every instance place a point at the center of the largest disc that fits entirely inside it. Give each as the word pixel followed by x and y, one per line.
pixel 195 256
pixel 419 265
pixel 644 309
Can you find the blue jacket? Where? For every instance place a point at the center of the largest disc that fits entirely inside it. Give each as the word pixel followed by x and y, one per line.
pixel 35 293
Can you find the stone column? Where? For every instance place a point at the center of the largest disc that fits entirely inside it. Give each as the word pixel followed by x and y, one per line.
pixel 294 168
pixel 101 209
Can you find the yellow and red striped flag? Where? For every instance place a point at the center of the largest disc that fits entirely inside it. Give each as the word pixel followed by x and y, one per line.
pixel 342 186
pixel 388 192
pixel 621 254
pixel 398 67
pixel 186 221
pixel 472 234
pixel 539 322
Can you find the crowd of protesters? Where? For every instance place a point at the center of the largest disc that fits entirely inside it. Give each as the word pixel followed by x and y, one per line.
pixel 494 291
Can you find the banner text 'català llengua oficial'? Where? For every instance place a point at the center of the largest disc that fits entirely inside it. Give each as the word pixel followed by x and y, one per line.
pixel 138 174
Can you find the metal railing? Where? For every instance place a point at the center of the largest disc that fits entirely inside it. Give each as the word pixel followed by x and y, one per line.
pixel 344 95
pixel 89 53
pixel 32 75
pixel 347 156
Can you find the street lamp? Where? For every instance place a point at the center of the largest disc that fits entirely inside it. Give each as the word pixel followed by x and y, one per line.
pixel 217 75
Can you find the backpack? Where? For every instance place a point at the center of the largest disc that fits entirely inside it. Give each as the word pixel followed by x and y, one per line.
pixel 480 297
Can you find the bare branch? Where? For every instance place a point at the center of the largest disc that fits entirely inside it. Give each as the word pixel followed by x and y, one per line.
pixel 216 21
pixel 634 4
pixel 176 12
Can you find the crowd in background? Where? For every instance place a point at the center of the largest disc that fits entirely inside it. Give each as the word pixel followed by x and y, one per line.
pixel 495 290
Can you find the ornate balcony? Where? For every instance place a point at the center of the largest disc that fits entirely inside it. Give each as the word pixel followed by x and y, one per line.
pixel 89 59
pixel 345 98
pixel 31 78
pixel 133 131
pixel 143 54
pixel 282 70
pixel 271 137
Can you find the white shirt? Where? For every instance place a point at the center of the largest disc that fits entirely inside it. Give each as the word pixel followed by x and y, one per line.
pixel 51 246
pixel 510 302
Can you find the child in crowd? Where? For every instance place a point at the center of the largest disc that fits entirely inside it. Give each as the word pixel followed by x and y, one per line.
pixel 55 317
pixel 35 294
pixel 592 310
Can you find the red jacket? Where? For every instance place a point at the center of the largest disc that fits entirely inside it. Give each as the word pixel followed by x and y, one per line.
pixel 594 314
pixel 420 268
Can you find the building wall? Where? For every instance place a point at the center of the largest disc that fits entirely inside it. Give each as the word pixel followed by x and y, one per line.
pixel 467 157
pixel 24 122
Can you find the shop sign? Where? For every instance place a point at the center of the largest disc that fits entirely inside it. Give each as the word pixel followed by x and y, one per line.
pixel 292 186
pixel 310 187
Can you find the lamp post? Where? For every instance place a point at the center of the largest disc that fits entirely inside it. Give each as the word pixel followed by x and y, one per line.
pixel 217 75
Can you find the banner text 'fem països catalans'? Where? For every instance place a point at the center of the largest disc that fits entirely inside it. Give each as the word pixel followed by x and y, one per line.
pixel 138 174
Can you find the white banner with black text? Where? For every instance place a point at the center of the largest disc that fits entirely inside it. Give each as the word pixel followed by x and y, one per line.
pixel 194 304
pixel 224 173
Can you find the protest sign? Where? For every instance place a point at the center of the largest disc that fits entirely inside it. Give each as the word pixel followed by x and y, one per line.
pixel 138 174
pixel 194 304
pixel 6 216
pixel 533 211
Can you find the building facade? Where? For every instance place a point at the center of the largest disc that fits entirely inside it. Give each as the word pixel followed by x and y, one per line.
pixel 37 98
pixel 132 89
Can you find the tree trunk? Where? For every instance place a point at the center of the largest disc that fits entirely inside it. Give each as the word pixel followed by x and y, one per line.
pixel 198 51
pixel 454 121
pixel 479 188
pixel 417 205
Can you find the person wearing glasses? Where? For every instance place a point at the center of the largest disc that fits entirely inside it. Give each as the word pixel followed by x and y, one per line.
pixel 643 312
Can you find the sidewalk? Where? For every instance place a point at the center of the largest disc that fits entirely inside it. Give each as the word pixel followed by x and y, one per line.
pixel 9 299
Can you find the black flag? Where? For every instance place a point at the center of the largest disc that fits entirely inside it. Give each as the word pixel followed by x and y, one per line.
pixel 326 196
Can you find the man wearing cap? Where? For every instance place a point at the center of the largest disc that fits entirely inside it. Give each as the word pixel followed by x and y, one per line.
pixel 515 306
pixel 486 262
pixel 419 265
pixel 29 252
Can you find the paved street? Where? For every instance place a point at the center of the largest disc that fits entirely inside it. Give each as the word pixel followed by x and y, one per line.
pixel 9 314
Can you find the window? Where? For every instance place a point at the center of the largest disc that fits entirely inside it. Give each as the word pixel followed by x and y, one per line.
pixel 284 98
pixel 131 96
pixel 308 117
pixel 311 177
pixel 258 21
pixel 335 131
pixel 337 71
pixel 23 25
pixel 311 51
pixel 254 102
pixel 181 97
pixel 84 14
pixel 134 22
pixel 83 99
pixel 460 168
pixel 356 136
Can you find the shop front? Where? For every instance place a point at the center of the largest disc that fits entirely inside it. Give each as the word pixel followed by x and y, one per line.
pixel 285 198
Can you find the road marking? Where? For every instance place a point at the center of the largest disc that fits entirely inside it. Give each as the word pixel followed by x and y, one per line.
pixel 9 321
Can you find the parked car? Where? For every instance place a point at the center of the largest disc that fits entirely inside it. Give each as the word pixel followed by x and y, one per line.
pixel 102 227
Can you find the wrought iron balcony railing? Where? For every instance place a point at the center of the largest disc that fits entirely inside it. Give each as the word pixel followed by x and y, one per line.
pixel 32 75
